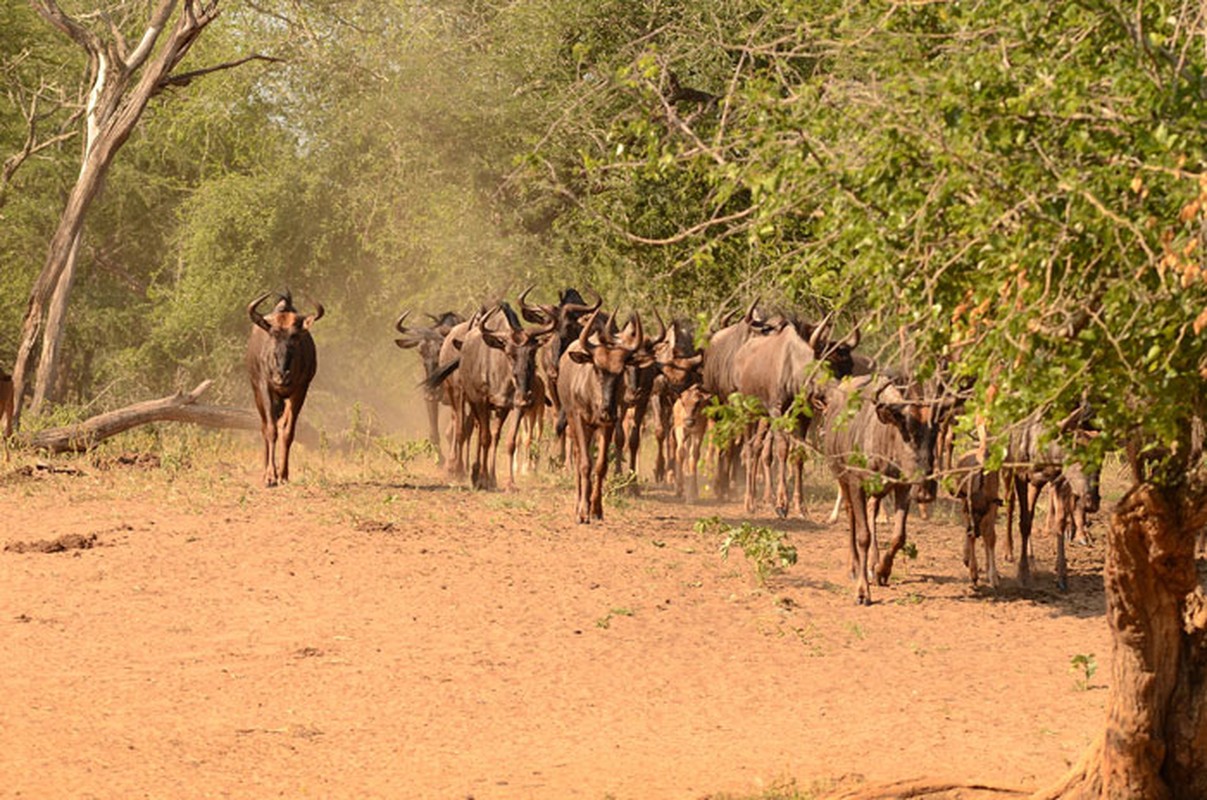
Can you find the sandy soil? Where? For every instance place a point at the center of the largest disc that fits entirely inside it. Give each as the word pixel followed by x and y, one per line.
pixel 374 632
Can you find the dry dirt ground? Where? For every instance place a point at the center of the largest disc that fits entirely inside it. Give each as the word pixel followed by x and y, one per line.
pixel 375 630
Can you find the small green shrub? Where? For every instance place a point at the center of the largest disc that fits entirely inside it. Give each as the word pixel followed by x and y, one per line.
pixel 767 548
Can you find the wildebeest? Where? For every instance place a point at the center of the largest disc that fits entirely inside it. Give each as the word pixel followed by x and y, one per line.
pixel 979 494
pixel 281 362
pixel 775 368
pixel 496 368
pixel 427 340
pixel 877 440
pixel 687 432
pixel 1035 461
pixel 6 408
pixel 640 376
pixel 567 318
pixel 447 378
pixel 679 367
pixel 719 380
pixel 590 377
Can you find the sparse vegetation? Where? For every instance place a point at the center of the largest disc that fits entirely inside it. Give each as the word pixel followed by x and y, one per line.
pixel 766 548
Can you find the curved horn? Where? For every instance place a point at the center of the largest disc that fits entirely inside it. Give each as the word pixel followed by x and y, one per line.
pixel 749 315
pixel 852 341
pixel 575 308
pixel 536 314
pixel 318 310
pixel 815 338
pixel 398 326
pixel 256 316
pixel 661 337
pixel 638 334
pixel 584 335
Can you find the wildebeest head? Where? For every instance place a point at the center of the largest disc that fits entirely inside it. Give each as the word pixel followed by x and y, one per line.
pixel 566 316
pixel 918 422
pixel 678 359
pixel 837 354
pixel 693 399
pixel 520 346
pixel 427 341
pixel 286 329
pixel 609 354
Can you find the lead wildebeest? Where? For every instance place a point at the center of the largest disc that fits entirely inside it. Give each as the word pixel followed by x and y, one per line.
pixel 281 362
pixel 427 340
pixel 877 439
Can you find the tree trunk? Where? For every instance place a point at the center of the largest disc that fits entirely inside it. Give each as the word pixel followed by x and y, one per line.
pixel 56 319
pixel 123 84
pixel 1154 745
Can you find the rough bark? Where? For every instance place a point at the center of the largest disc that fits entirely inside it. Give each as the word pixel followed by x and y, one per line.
pixel 175 408
pixel 56 321
pixel 1154 745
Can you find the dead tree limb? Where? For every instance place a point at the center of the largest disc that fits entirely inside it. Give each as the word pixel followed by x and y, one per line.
pixel 179 407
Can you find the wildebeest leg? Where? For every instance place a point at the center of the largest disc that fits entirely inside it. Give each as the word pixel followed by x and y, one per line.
pixel 601 472
pixel 634 432
pixel 680 438
pixel 861 540
pixel 724 469
pixel 837 507
pixel 270 422
pixel 689 463
pixel 1026 494
pixel 986 523
pixel 1010 492
pixel 492 454
pixel 1059 499
pixel 289 423
pixel 872 511
pixel 433 421
pixel 780 440
pixel 970 534
pixel 662 428
pixel 766 461
pixel 751 454
pixel 578 436
pixel 884 570
pixel 798 493
pixel 480 469
pixel 521 415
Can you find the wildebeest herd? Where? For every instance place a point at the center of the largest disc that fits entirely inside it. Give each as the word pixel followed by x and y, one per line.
pixel 595 380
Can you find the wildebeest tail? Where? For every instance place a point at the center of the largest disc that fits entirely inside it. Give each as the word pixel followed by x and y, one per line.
pixel 560 427
pixel 437 377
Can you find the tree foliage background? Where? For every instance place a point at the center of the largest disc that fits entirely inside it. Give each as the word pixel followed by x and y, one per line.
pixel 1016 182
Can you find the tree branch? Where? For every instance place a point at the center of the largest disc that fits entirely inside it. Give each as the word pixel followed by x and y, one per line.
pixel 185 78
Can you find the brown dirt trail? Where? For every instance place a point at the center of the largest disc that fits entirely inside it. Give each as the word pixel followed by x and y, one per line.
pixel 364 634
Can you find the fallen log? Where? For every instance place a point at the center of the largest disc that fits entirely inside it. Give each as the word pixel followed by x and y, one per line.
pixel 179 407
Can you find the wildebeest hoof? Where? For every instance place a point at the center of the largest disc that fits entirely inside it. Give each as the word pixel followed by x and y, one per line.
pixel 781 512
pixel 863 600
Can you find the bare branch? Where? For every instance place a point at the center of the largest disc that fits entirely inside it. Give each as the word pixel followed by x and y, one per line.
pixel 185 78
